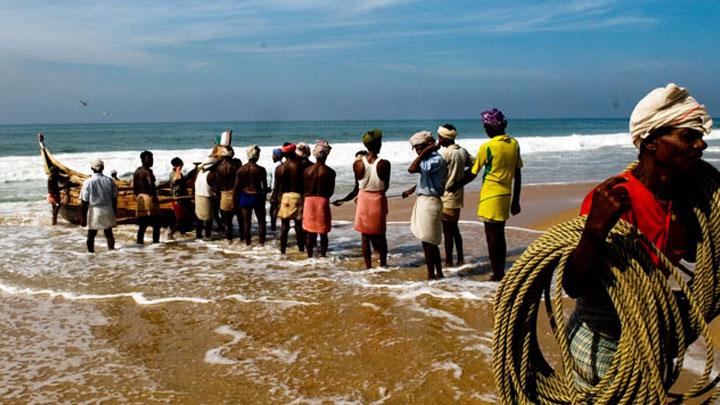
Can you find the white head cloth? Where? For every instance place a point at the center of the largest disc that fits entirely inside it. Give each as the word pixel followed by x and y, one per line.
pixel 446 133
pixel 302 150
pixel 253 152
pixel 421 137
pixel 669 106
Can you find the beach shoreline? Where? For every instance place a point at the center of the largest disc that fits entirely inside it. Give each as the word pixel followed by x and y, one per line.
pixel 543 205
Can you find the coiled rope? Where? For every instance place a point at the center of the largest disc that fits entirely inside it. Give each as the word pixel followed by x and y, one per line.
pixel 652 342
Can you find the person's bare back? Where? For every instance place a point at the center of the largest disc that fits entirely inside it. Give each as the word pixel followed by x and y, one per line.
pixel 319 181
pixel 251 179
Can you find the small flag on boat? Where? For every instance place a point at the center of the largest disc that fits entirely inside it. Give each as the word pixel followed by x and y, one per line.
pixel 225 138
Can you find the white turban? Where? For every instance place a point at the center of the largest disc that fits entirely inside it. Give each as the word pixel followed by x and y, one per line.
pixel 253 152
pixel 446 133
pixel 420 138
pixel 322 149
pixel 302 149
pixel 669 106
pixel 97 164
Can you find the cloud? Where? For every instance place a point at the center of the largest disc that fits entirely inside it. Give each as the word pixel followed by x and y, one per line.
pixel 141 34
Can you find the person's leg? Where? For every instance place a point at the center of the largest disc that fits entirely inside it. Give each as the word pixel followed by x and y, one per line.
pixel 247 222
pixel 156 229
pixel 55 211
pixel 299 235
pixel 208 229
pixel 458 244
pixel 447 228
pixel 382 249
pixel 91 240
pixel 310 240
pixel 366 251
pixel 109 238
pixel 495 234
pixel 227 221
pixel 142 226
pixel 198 228
pixel 323 244
pixel 273 216
pixel 241 223
pixel 260 215
pixel 429 259
pixel 284 230
pixel 437 261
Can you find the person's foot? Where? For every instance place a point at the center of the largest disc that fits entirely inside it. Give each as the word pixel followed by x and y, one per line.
pixel 439 275
pixel 448 263
pixel 171 235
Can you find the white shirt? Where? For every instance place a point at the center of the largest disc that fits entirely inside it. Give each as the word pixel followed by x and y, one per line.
pixel 99 190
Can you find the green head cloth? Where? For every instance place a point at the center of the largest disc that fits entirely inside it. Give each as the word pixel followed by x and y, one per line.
pixel 371 136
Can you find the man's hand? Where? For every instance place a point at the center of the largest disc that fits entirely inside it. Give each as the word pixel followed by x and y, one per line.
pixel 337 203
pixel 515 208
pixel 608 203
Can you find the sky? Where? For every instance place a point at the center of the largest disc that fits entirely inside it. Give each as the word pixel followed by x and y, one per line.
pixel 158 61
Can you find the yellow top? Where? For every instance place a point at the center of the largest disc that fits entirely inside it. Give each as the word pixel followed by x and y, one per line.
pixel 499 156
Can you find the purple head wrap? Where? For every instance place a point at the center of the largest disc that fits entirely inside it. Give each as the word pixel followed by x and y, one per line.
pixel 493 118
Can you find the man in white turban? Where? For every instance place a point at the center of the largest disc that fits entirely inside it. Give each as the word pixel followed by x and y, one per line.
pixel 667 126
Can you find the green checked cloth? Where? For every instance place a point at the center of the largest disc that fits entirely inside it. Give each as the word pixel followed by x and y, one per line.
pixel 593 332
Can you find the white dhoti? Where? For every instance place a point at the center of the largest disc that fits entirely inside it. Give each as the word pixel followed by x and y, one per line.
pixel 204 208
pixel 426 220
pixel 101 217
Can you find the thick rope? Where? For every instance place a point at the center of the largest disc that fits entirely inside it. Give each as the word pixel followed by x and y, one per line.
pixel 652 342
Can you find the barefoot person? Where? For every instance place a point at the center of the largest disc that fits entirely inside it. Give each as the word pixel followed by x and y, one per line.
pixel 373 177
pixel 250 192
pixel 458 160
pixel 667 127
pixel 55 181
pixel 319 182
pixel 147 199
pixel 274 199
pixel 426 220
pixel 289 185
pixel 225 173
pixel 500 192
pixel 99 201
pixel 205 198
pixel 182 207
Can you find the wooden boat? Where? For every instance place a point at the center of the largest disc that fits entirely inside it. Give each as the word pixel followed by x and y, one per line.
pixel 70 205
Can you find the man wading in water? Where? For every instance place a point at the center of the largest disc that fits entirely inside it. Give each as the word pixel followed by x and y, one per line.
pixel 289 185
pixel 147 199
pixel 319 187
pixel 250 191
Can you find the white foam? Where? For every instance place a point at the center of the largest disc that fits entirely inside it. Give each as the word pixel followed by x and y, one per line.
pixel 138 297
pixel 448 366
pixel 215 356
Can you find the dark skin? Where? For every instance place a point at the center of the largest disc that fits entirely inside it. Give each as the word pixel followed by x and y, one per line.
pixel 289 179
pixel 451 230
pixel 252 179
pixel 432 252
pixel 225 173
pixel 356 188
pixel 495 231
pixel 55 180
pixel 319 181
pixel 666 167
pixel 144 183
pixel 92 233
pixel 378 242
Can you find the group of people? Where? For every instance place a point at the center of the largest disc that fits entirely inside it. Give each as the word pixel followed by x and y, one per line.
pixel 223 188
pixel 667 127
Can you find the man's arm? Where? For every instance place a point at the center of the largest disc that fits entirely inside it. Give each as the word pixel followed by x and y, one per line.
pixel 84 213
pixel 588 259
pixel 407 193
pixel 415 165
pixel 517 185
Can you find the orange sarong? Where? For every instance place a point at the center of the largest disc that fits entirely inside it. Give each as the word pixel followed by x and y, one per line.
pixel 316 215
pixel 371 212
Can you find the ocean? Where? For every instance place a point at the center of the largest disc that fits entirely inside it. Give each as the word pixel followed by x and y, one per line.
pixel 215 321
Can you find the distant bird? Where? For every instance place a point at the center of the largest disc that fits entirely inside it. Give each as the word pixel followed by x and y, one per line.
pixel 84 102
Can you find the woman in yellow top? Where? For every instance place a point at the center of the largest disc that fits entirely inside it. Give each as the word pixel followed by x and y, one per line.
pixel 499 196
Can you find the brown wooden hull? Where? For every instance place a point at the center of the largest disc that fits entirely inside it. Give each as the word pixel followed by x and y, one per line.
pixel 70 205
